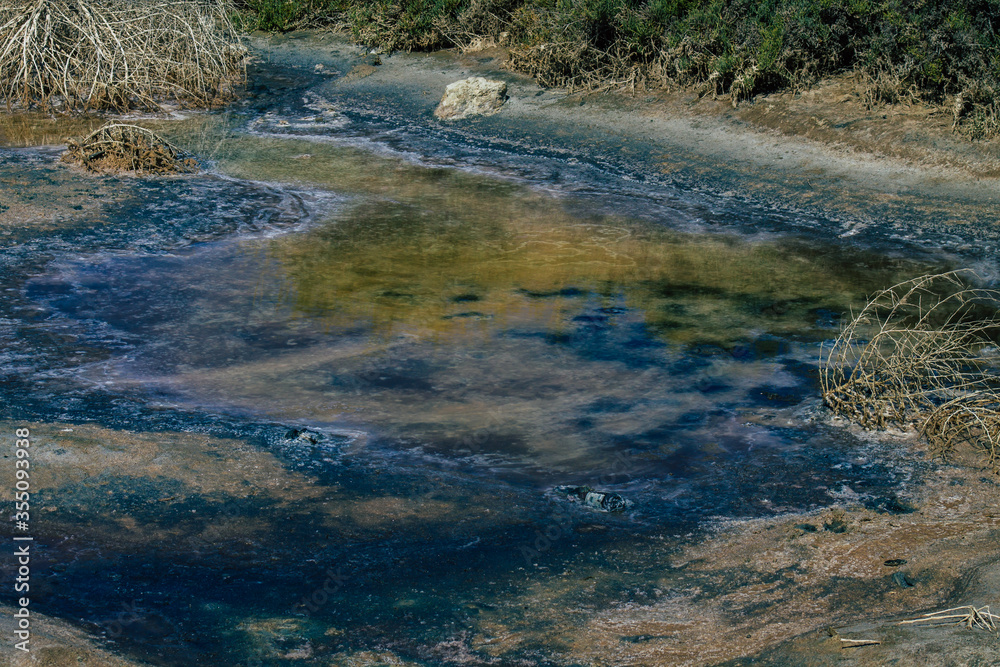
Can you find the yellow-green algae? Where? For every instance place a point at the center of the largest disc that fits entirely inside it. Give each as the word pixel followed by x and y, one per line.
pixel 440 249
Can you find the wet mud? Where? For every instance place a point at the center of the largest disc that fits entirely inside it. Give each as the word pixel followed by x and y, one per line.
pixel 313 405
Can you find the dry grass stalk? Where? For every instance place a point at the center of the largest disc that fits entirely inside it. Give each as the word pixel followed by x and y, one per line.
pixel 75 55
pixel 117 147
pixel 914 355
pixel 969 616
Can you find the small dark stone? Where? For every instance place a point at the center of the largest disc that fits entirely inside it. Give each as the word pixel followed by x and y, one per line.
pixel 897 505
pixel 606 502
pixel 902 580
pixel 302 435
pixel 835 525
pixel 807 527
pixel 612 502
pixel 706 350
pixel 895 562
pixel 890 504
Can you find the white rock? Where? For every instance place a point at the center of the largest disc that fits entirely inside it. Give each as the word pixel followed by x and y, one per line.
pixel 474 96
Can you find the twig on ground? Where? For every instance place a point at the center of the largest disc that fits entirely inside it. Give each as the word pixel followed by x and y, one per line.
pixel 857 643
pixel 969 616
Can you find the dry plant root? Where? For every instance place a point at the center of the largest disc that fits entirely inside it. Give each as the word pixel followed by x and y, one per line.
pixel 915 355
pixel 122 148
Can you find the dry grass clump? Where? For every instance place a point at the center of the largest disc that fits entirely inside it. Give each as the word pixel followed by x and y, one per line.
pixel 75 55
pixel 969 616
pixel 118 147
pixel 917 354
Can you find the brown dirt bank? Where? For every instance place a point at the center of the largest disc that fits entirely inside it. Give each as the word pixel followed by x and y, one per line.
pixel 799 577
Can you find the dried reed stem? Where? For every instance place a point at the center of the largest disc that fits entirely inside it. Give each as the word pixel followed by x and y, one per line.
pixel 969 616
pixel 915 354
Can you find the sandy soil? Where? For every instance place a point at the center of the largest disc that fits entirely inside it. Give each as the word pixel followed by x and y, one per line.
pixel 55 643
pixel 843 573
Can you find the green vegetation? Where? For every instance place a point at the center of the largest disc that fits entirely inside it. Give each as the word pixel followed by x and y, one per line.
pixel 903 50
pixel 284 15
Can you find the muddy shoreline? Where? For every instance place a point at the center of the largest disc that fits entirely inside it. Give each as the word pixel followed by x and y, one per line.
pixel 755 591
pixel 894 172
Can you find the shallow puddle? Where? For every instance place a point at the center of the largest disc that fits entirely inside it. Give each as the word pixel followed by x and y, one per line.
pixel 355 382
pixel 455 305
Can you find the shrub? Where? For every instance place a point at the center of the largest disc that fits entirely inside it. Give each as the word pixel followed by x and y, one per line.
pixel 120 147
pixel 71 55
pixel 915 355
pixel 284 15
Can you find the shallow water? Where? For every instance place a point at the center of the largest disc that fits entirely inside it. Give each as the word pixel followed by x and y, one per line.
pixel 361 369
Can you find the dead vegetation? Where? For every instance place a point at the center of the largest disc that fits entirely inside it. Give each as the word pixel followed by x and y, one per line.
pixel 118 148
pixel 968 616
pixel 78 55
pixel 920 353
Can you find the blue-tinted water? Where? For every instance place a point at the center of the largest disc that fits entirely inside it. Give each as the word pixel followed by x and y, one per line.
pixel 312 407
